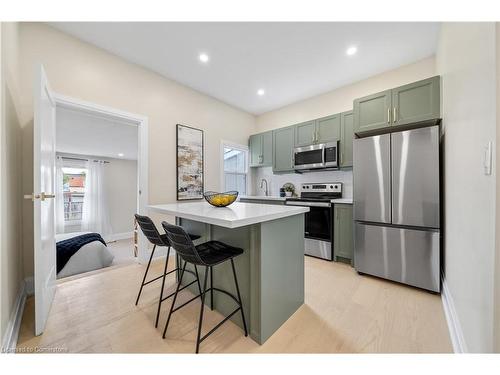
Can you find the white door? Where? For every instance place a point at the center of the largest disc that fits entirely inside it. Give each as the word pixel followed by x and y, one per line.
pixel 44 141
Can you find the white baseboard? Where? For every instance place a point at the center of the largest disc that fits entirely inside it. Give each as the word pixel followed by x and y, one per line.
pixel 456 333
pixel 9 340
pixel 119 236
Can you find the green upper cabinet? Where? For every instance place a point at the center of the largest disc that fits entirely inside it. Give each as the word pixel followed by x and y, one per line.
pixel 408 104
pixel 418 101
pixel 346 137
pixel 283 142
pixel 343 232
pixel 372 112
pixel 255 149
pixel 305 133
pixel 328 129
pixel 267 149
pixel 260 149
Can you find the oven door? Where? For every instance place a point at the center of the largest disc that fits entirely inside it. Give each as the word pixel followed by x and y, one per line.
pixel 309 157
pixel 318 229
pixel 318 223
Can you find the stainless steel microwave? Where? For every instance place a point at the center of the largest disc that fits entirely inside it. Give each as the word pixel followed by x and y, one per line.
pixel 316 157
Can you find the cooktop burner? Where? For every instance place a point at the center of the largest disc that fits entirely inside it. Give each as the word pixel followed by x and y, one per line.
pixel 319 192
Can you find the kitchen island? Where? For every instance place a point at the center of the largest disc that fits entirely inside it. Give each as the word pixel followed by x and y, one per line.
pixel 271 269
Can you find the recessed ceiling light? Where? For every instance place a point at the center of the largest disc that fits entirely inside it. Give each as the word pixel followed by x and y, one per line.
pixel 121 155
pixel 203 57
pixel 351 51
pixel 260 92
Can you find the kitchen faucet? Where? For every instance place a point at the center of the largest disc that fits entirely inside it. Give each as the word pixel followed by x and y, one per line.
pixel 261 183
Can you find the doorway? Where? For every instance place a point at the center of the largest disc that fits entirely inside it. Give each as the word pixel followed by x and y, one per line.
pixel 120 151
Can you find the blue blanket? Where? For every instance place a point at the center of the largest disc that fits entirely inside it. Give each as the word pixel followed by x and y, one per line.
pixel 67 248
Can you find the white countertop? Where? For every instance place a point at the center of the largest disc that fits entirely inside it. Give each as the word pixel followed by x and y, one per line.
pixel 234 216
pixel 342 200
pixel 263 197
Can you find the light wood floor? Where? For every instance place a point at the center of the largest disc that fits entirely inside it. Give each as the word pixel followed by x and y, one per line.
pixel 343 312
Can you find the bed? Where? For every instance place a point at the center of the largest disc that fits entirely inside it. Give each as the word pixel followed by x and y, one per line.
pixel 89 257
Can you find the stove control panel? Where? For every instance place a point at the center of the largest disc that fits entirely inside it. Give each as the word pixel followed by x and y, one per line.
pixel 330 187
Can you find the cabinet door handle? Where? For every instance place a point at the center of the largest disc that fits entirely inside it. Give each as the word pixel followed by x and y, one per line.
pixel 394 115
pixel 388 115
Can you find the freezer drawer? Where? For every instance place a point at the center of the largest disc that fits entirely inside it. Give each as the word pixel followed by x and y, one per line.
pixel 408 256
pixel 372 179
pixel 415 177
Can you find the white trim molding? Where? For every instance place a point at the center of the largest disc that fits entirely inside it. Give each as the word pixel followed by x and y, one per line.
pixel 456 333
pixel 143 153
pixel 9 340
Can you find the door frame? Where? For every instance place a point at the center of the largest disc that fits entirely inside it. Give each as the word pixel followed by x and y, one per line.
pixel 141 122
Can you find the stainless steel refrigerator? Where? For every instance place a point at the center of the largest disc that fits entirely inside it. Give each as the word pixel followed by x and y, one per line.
pixel 397 207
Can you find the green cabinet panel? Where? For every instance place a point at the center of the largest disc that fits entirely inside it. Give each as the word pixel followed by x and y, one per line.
pixel 328 129
pixel 261 149
pixel 263 201
pixel 373 111
pixel 283 142
pixel 418 101
pixel 267 149
pixel 305 133
pixel 343 232
pixel 346 138
pixel 255 150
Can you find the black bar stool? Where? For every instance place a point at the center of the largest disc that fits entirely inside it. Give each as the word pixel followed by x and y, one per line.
pixel 157 239
pixel 208 254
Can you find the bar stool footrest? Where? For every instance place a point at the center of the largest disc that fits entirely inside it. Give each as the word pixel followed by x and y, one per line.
pixel 184 287
pixel 219 324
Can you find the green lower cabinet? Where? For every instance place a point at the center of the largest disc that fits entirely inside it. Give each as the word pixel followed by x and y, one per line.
pixel 343 243
pixel 346 138
pixel 283 143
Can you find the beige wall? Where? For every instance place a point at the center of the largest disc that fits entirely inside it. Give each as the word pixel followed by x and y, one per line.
pixel 10 190
pixel 77 69
pixel 341 99
pixel 466 61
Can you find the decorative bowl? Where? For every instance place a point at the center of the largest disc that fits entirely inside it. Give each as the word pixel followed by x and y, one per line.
pixel 220 199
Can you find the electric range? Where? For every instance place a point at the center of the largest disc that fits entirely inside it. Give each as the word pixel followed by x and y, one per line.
pixel 318 225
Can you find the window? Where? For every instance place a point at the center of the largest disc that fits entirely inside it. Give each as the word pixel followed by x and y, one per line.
pixel 74 192
pixel 235 168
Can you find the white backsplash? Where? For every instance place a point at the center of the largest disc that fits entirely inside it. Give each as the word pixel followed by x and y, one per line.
pixel 276 181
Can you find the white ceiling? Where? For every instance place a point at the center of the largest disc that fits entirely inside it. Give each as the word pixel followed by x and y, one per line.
pixel 290 61
pixel 86 134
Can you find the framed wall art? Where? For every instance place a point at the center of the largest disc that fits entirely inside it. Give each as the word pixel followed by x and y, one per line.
pixel 189 163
